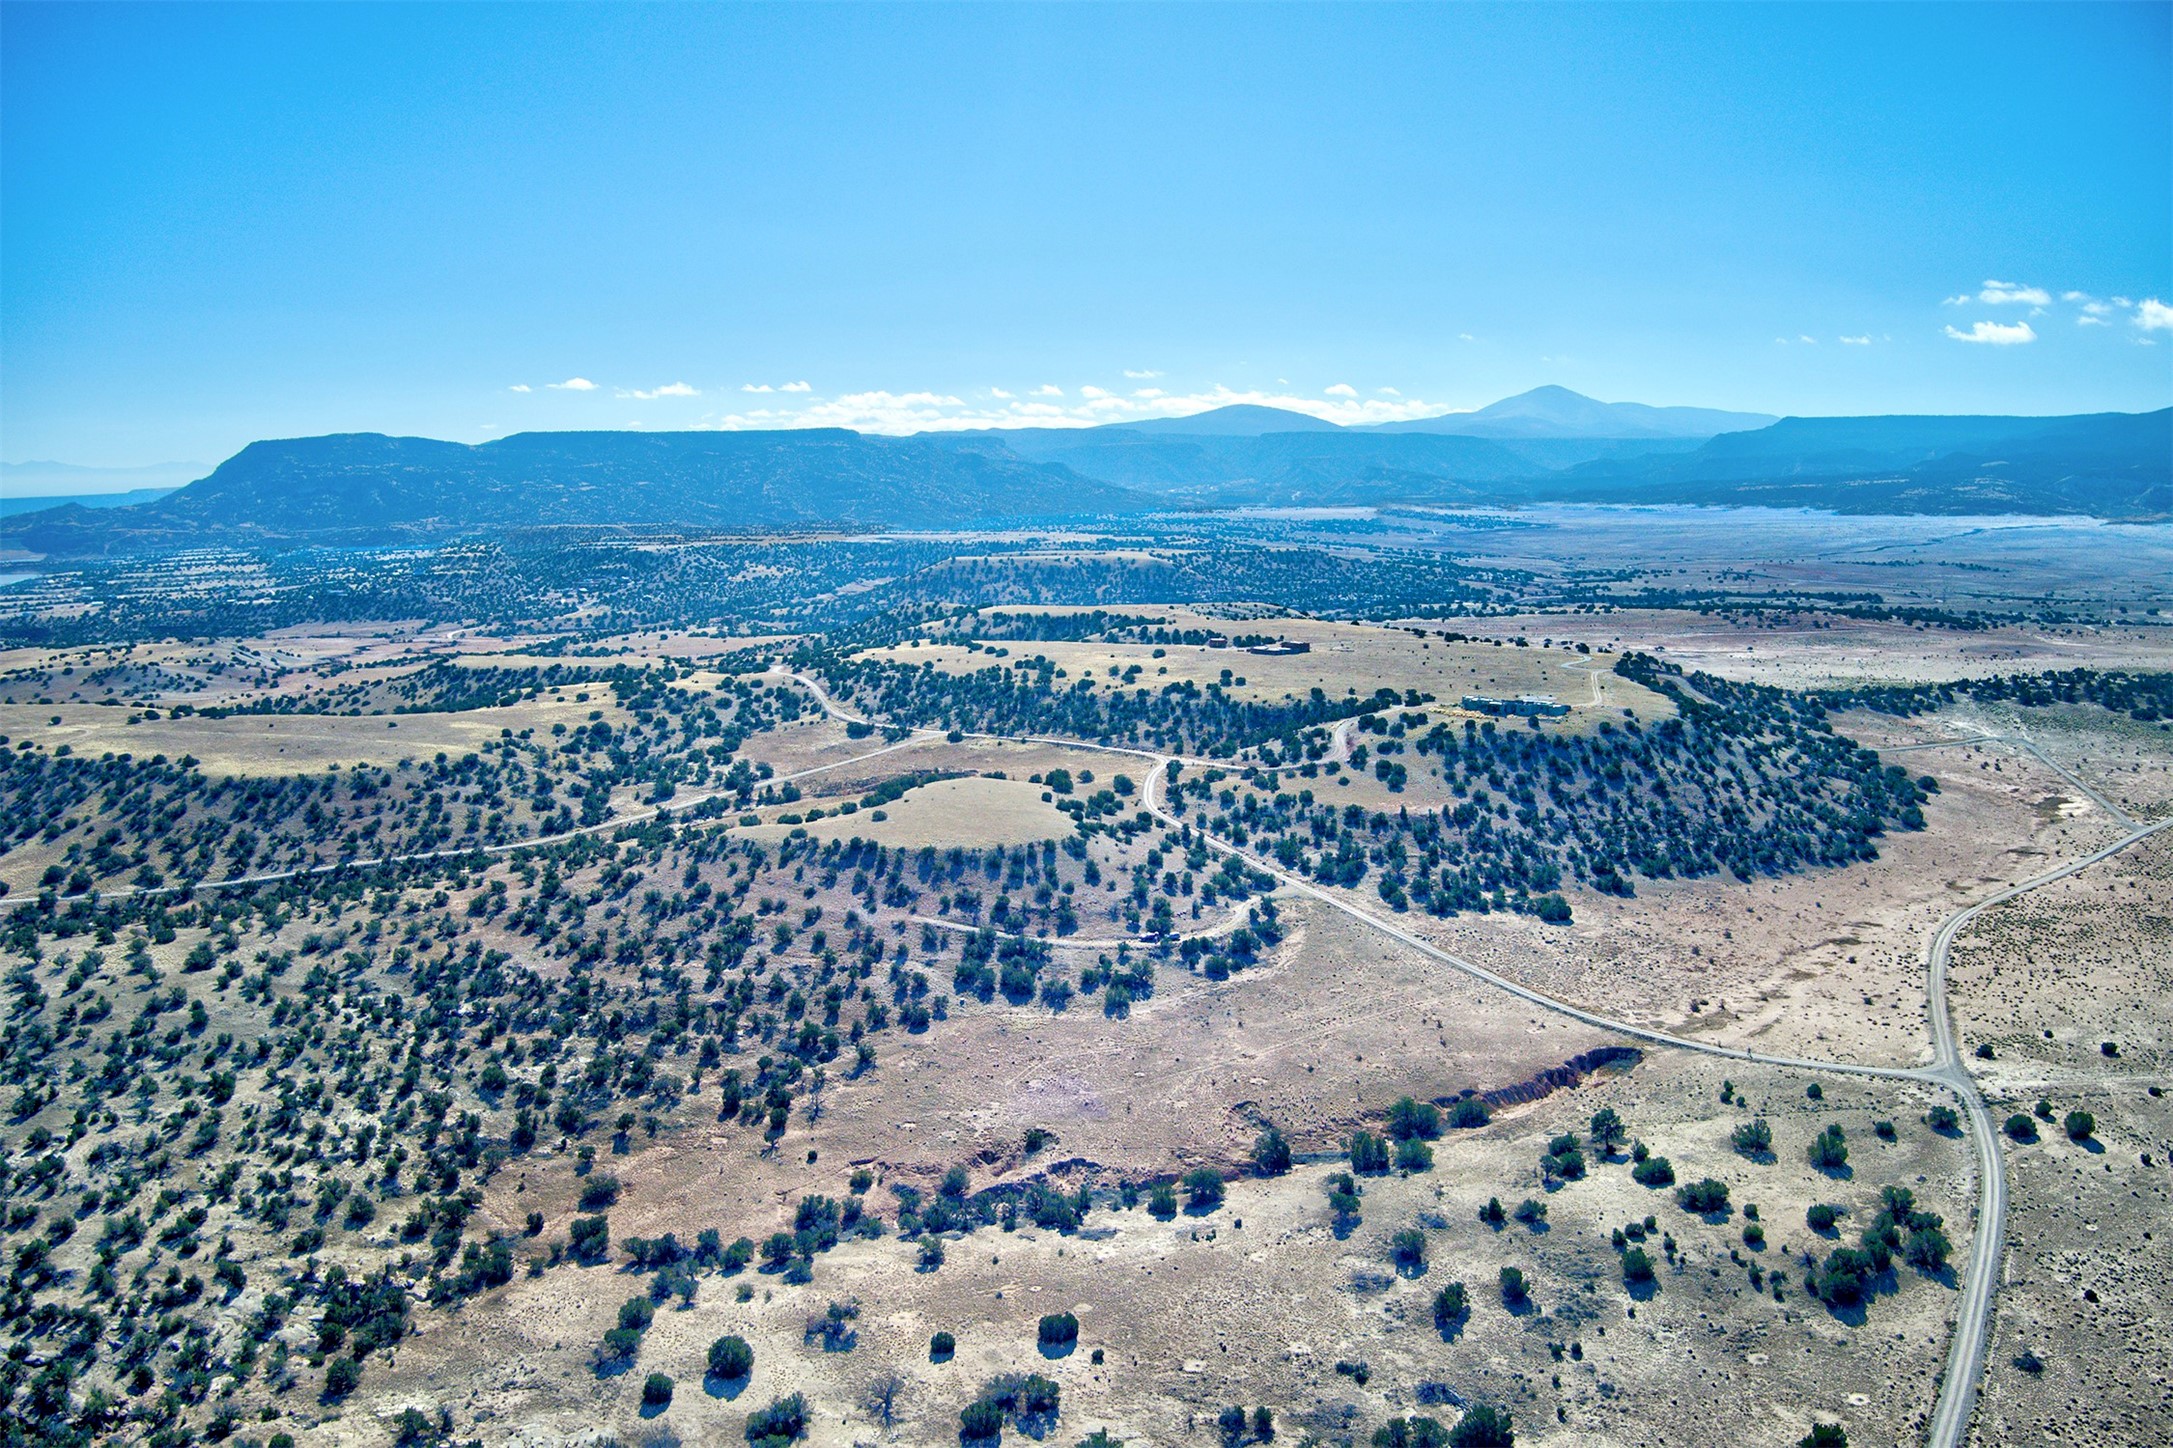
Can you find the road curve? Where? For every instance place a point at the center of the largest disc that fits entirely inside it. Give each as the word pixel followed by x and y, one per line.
pixel 1965 1360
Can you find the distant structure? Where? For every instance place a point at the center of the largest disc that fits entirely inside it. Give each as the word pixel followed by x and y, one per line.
pixel 1539 705
pixel 1280 647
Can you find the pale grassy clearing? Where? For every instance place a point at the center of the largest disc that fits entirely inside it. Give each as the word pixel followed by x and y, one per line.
pixel 1345 659
pixel 974 812
pixel 274 744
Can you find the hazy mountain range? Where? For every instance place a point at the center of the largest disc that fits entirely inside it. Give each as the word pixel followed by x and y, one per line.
pixel 1546 445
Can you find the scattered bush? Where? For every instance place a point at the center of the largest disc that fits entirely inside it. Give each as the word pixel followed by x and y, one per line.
pixel 1513 1287
pixel 2080 1125
pixel 1059 1329
pixel 731 1357
pixel 1469 1114
pixel 656 1391
pixel 2021 1127
pixel 1829 1151
pixel 1636 1265
pixel 1753 1138
pixel 941 1346
pixel 779 1424
pixel 1483 1426
pixel 1703 1197
pixel 1822 1216
pixel 1654 1171
pixel 1450 1306
pixel 1271 1153
pixel 1203 1188
pixel 1410 1118
pixel 1369 1154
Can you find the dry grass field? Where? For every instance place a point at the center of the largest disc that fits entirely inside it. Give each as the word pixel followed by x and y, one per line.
pixel 1263 1300
pixel 1344 658
pixel 270 744
pixel 2081 1341
pixel 976 812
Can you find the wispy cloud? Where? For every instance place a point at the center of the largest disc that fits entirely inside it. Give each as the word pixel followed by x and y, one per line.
pixel 1342 389
pixel 795 387
pixel 572 384
pixel 1141 376
pixel 756 387
pixel 1048 406
pixel 520 387
pixel 1995 334
pixel 2013 293
pixel 1864 341
pixel 669 389
pixel 2154 316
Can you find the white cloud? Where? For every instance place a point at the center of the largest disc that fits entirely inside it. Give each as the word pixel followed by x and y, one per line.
pixel 1387 392
pixel 520 387
pixel 2154 316
pixel 2000 293
pixel 1808 341
pixel 573 384
pixel 1864 341
pixel 669 389
pixel 1141 376
pixel 1995 334
pixel 1465 337
pixel 756 387
pixel 795 387
pixel 2088 320
pixel 894 412
pixel 1342 389
pixel 1961 301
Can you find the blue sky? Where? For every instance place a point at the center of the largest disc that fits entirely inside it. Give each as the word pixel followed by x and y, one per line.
pixel 229 223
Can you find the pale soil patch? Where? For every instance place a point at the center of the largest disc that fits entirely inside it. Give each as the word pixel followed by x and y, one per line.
pixel 1786 964
pixel 271 744
pixel 1257 1301
pixel 1345 658
pixel 975 812
pixel 1838 651
pixel 2045 980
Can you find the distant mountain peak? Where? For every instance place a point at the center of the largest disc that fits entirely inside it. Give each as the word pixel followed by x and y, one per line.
pixel 1557 412
pixel 1239 419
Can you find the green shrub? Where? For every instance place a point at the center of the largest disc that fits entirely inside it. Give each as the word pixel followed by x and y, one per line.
pixel 1483 1426
pixel 731 1357
pixel 1653 1171
pixel 341 1377
pixel 656 1391
pixel 2080 1125
pixel 1753 1138
pixel 1822 1216
pixel 1059 1329
pixel 779 1424
pixel 1450 1306
pixel 1703 1197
